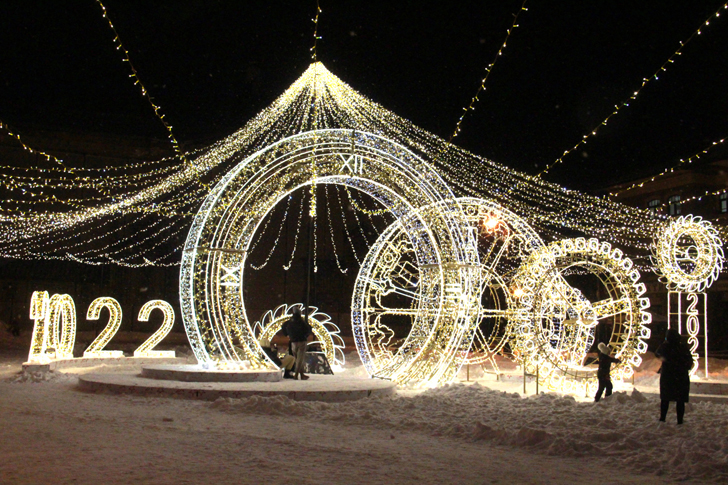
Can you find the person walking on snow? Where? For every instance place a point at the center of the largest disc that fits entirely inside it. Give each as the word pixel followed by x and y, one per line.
pixel 605 368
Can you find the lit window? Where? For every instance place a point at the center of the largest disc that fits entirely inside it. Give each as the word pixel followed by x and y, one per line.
pixel 674 204
pixel 723 198
pixel 653 204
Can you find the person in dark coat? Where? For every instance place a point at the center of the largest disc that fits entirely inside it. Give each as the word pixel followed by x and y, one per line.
pixel 604 371
pixel 297 329
pixel 674 374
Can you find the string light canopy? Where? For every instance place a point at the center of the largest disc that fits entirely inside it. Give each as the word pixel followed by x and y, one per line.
pixel 464 227
pixel 137 215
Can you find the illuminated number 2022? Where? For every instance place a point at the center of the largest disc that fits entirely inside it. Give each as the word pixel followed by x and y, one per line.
pixel 54 330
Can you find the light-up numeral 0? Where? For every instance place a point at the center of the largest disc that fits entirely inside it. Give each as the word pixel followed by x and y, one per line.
pixel 145 349
pixel 54 331
pixel 61 328
pixel 94 310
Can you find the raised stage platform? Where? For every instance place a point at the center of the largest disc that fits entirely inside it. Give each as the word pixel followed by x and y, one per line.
pixel 328 388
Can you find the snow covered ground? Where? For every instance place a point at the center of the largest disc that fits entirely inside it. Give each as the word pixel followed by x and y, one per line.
pixel 476 432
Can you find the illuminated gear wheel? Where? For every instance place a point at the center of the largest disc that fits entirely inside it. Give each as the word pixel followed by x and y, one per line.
pixel 393 294
pixel 325 331
pixel 688 254
pixel 555 324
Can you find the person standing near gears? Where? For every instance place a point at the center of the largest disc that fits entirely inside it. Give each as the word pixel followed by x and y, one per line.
pixel 298 329
pixel 674 374
pixel 604 371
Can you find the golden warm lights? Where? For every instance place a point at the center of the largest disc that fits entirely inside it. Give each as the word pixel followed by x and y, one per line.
pixel 54 330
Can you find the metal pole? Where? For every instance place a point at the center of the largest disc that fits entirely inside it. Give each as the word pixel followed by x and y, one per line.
pixel 524 380
pixel 308 276
pixel 705 330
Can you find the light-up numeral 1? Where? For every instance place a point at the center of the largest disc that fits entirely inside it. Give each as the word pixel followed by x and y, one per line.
pixel 94 310
pixel 39 303
pixel 145 349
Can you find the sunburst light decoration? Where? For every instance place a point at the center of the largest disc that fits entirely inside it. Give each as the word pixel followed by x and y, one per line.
pixel 326 332
pixel 688 253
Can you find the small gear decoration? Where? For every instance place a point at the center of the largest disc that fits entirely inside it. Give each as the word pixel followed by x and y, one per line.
pixel 555 324
pixel 688 254
pixel 327 333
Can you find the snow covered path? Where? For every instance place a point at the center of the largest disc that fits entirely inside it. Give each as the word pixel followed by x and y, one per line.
pixel 52 433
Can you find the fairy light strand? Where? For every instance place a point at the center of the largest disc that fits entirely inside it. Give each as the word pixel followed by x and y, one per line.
pixel 645 82
pixel 682 162
pixel 315 32
pixel 488 69
pixel 137 81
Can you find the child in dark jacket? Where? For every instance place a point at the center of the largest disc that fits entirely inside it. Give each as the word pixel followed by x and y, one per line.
pixel 605 368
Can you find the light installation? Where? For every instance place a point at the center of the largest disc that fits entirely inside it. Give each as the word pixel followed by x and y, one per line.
pixel 688 255
pixel 393 291
pixel 96 349
pixel 321 132
pixel 54 329
pixel 137 214
pixel 146 349
pixel 327 334
pixel 212 275
pixel 555 324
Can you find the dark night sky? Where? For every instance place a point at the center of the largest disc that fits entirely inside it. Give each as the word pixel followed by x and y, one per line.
pixel 213 64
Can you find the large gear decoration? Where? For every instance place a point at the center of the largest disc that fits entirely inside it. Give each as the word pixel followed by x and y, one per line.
pixel 555 323
pixel 326 332
pixel 688 254
pixel 391 290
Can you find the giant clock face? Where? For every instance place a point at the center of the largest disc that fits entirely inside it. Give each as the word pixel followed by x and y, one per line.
pixel 395 298
pixel 688 254
pixel 212 273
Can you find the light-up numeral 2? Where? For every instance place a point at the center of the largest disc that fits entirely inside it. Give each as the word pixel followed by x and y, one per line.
pixel 145 349
pixel 94 310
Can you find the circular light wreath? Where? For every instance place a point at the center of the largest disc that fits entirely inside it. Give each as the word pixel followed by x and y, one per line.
pixel 326 332
pixel 212 272
pixel 688 254
pixel 554 324
pixel 391 290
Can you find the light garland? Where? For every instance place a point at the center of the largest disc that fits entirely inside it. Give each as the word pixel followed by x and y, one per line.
pixel 481 88
pixel 137 81
pixel 317 99
pixel 645 81
pixel 686 161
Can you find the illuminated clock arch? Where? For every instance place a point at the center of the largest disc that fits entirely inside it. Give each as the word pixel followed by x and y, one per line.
pixel 213 265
